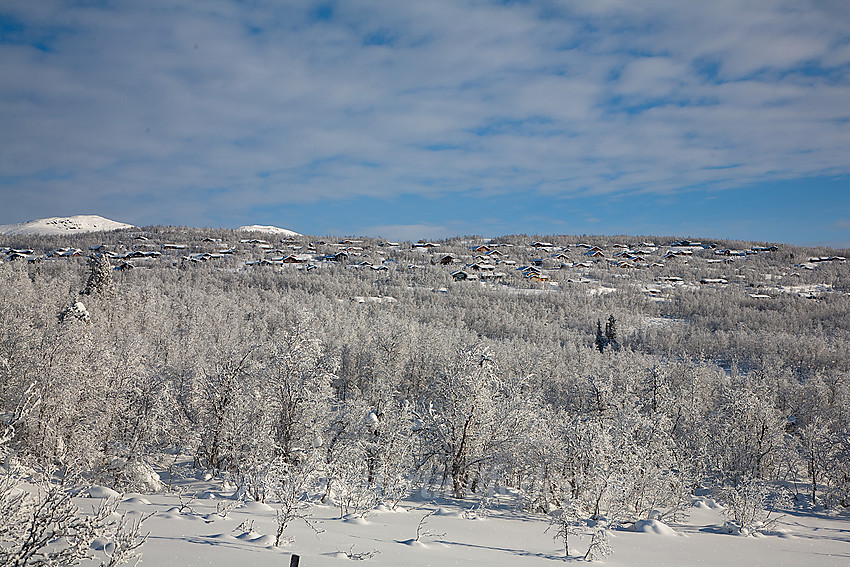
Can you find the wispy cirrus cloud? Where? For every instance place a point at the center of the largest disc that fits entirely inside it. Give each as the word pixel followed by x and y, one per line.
pixel 202 107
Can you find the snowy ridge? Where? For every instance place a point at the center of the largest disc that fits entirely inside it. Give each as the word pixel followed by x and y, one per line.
pixel 63 225
pixel 269 229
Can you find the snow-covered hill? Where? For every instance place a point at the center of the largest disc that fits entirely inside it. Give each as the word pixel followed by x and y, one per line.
pixel 63 225
pixel 269 230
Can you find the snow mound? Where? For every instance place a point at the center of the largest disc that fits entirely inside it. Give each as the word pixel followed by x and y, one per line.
pixel 386 509
pixel 77 224
pixel 256 507
pixel 269 230
pixel 413 543
pixel 101 492
pixel 355 519
pixel 136 500
pixel 707 504
pixel 249 536
pixel 654 527
pixel 264 541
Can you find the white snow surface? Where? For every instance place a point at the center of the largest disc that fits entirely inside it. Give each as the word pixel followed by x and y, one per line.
pixel 210 532
pixel 269 230
pixel 63 225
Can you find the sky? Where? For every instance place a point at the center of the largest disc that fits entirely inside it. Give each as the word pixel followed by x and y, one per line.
pixel 430 119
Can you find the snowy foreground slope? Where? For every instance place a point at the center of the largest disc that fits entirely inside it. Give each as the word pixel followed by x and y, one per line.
pixel 214 529
pixel 63 225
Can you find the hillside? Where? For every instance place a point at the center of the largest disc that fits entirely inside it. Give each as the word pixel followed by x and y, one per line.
pixel 76 224
pixel 268 229
pixel 615 382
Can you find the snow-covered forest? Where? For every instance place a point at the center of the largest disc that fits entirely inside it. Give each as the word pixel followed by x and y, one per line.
pixel 598 382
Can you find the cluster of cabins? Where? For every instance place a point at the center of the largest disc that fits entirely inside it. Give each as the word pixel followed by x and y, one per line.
pixel 491 260
pixel 27 254
pixel 13 254
pixel 312 255
pixel 539 261
pixel 813 262
pixel 487 261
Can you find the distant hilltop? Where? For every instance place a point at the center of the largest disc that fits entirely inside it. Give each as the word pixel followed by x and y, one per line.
pixel 269 230
pixel 79 224
pixel 76 224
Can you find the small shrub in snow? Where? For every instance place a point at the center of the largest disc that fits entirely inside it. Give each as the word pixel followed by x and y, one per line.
pixel 186 502
pixel 599 547
pixel 750 505
pixel 420 527
pixel 361 555
pixel 134 476
pixel 222 509
pixel 290 489
pixel 566 523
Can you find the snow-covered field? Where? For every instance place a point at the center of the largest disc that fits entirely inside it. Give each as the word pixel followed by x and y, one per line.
pixel 205 526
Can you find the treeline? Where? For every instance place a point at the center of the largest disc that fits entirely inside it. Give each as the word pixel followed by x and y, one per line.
pixel 268 374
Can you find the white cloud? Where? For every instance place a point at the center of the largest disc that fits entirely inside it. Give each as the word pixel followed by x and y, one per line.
pixel 175 102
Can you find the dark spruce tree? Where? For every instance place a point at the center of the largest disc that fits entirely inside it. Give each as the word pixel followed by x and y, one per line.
pixel 600 341
pixel 611 332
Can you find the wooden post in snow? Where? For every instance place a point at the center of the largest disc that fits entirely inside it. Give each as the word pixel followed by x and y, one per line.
pixel 293 562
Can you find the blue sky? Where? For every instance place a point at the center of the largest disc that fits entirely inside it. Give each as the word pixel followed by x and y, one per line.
pixel 430 119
